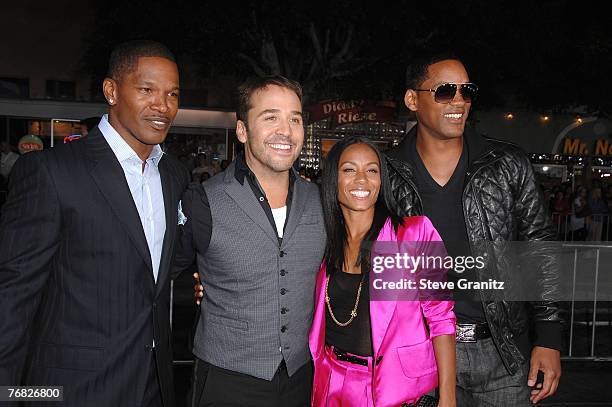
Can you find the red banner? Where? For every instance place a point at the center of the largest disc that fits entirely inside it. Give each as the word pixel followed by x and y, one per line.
pixel 343 112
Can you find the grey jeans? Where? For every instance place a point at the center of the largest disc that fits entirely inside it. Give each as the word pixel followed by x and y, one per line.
pixel 483 381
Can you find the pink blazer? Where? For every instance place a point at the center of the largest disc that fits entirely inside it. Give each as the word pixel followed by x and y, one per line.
pixel 407 365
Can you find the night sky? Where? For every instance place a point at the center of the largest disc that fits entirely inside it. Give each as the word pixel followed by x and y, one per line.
pixel 547 55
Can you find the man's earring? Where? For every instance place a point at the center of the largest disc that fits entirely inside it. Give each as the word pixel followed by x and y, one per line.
pixel 111 101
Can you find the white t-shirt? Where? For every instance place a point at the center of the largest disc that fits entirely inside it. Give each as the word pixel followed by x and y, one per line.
pixel 280 214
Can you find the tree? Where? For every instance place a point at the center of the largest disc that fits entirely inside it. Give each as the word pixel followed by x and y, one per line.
pixel 321 61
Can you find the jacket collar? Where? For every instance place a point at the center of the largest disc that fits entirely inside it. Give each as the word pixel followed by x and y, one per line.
pixel 480 149
pixel 110 179
pixel 242 193
pixel 382 310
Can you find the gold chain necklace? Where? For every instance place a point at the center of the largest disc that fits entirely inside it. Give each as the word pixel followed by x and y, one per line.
pixel 353 312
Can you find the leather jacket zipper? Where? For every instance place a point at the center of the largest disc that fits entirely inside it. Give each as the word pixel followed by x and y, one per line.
pixel 481 215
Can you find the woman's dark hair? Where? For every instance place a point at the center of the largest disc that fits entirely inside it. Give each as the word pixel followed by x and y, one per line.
pixel 334 219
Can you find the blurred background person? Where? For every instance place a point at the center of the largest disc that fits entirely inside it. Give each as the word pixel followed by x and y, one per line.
pixel 202 166
pixel 607 232
pixel 88 124
pixel 599 208
pixel 580 214
pixel 560 208
pixel 7 159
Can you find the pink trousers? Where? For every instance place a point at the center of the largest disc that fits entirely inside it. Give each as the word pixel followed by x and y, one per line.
pixel 342 384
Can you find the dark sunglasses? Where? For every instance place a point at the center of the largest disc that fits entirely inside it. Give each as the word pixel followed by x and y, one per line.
pixel 445 93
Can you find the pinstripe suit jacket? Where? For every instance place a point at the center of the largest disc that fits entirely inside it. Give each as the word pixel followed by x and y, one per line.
pixel 79 306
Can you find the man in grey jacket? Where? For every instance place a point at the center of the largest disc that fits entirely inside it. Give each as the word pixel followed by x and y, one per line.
pixel 257 233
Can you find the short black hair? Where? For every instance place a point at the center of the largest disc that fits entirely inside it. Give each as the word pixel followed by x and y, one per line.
pixel 124 57
pixel 255 83
pixel 416 73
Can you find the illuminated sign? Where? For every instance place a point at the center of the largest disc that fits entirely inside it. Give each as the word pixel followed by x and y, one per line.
pixel 29 143
pixel 575 146
pixel 591 136
pixel 71 138
pixel 342 112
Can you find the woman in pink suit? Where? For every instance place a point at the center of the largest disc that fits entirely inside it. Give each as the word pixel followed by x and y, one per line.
pixel 373 353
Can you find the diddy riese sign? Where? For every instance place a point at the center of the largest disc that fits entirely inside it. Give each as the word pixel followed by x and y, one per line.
pixel 342 112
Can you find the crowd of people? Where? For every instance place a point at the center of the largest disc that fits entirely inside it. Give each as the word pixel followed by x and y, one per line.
pixel 583 213
pixel 202 168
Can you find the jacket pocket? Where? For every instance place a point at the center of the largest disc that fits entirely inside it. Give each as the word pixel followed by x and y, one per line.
pixel 229 322
pixel 417 360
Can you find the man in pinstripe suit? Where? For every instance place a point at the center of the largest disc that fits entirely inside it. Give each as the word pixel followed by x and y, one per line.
pixel 87 240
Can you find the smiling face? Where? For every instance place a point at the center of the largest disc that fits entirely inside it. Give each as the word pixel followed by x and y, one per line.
pixel 358 178
pixel 274 132
pixel 440 120
pixel 144 102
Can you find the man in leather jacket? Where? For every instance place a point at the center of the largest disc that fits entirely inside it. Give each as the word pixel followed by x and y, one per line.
pixel 476 189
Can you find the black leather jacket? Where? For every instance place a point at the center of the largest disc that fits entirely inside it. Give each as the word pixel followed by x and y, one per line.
pixel 501 202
